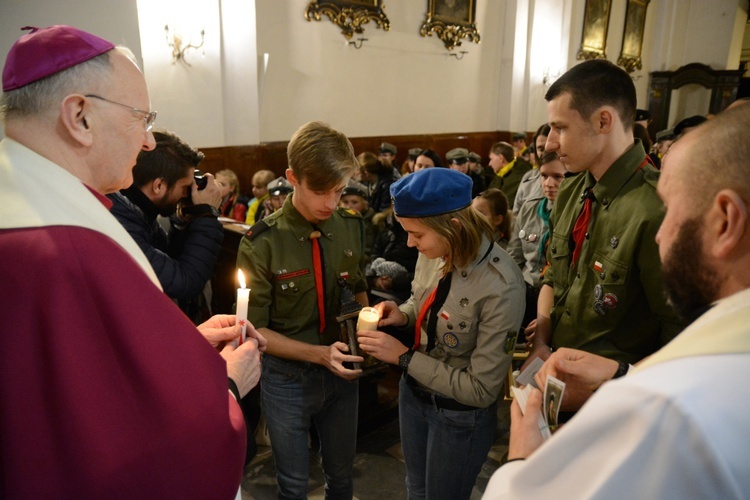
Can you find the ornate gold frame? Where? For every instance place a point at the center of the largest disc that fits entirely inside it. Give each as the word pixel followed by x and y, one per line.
pixel 448 26
pixel 632 38
pixel 595 27
pixel 350 16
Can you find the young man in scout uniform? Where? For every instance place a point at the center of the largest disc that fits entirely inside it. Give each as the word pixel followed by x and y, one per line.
pixel 674 426
pixel 603 290
pixel 297 260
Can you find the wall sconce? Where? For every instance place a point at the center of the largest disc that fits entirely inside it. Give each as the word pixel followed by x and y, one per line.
pixel 463 52
pixel 357 45
pixel 178 45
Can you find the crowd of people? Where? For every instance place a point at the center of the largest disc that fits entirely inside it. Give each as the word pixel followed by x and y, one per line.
pixel 624 280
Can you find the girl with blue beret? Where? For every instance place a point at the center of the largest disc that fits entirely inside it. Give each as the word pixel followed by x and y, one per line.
pixel 465 310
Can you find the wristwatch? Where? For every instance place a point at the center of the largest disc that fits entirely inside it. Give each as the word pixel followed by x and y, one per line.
pixel 405 359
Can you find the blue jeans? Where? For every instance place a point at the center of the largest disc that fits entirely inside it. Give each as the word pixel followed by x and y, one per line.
pixel 294 396
pixel 444 450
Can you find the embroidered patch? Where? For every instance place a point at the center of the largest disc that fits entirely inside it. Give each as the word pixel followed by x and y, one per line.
pixel 510 342
pixel 610 301
pixel 344 275
pixel 444 314
pixel 450 340
pixel 598 266
pixel 293 274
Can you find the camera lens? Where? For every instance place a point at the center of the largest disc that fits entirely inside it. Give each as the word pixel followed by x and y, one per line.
pixel 200 179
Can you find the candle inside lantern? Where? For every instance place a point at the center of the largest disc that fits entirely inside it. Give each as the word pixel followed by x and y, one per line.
pixel 368 319
pixel 243 295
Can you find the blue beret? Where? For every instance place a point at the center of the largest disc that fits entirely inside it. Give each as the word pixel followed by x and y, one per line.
pixel 431 191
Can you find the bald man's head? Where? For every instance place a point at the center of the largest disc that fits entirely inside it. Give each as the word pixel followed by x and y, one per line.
pixel 713 156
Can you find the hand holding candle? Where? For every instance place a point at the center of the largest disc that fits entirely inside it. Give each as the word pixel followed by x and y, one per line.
pixel 243 295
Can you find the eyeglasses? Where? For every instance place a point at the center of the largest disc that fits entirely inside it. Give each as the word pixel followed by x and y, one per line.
pixel 148 116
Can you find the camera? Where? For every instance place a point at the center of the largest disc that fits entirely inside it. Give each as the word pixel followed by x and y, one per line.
pixel 200 179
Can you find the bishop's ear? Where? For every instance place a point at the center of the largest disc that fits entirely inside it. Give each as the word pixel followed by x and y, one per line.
pixel 78 118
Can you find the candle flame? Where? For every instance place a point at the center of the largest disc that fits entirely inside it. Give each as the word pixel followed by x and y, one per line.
pixel 241 278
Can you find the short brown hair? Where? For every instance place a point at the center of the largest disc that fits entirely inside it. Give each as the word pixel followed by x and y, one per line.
pixel 504 149
pixel 371 164
pixel 596 83
pixel 498 203
pixel 171 160
pixel 321 156
pixel 463 240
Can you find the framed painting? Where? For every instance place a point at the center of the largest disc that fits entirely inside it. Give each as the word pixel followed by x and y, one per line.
pixel 632 38
pixel 595 26
pixel 350 16
pixel 451 21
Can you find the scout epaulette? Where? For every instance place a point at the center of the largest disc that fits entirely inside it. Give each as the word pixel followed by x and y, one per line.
pixel 257 229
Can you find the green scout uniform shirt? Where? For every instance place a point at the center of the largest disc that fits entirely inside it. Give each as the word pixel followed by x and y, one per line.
pixel 279 263
pixel 612 301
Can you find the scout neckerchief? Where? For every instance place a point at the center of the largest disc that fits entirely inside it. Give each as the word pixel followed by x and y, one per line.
pixel 507 168
pixel 543 212
pixel 582 224
pixel 318 266
pixel 581 227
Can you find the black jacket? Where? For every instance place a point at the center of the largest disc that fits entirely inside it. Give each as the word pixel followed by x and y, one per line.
pixel 183 260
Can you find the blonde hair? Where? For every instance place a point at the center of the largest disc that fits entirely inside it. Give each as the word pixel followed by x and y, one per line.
pixel 464 238
pixel 321 156
pixel 234 182
pixel 263 177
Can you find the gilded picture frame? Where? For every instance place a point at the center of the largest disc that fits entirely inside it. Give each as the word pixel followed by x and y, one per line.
pixel 632 38
pixel 452 21
pixel 350 16
pixel 595 27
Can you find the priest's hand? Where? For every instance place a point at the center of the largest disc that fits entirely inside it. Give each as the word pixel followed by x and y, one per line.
pixel 223 328
pixel 525 436
pixel 582 372
pixel 243 364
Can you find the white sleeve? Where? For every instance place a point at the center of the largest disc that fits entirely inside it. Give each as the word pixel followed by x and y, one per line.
pixel 626 442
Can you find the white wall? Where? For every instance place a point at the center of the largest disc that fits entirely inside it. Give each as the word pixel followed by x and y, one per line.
pixel 397 83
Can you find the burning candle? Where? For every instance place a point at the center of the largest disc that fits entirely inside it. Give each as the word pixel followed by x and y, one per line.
pixel 243 295
pixel 368 319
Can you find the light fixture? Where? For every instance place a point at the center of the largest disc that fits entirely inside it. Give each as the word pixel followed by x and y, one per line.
pixel 179 45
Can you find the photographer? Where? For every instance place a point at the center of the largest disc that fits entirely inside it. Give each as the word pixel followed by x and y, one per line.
pixel 164 184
